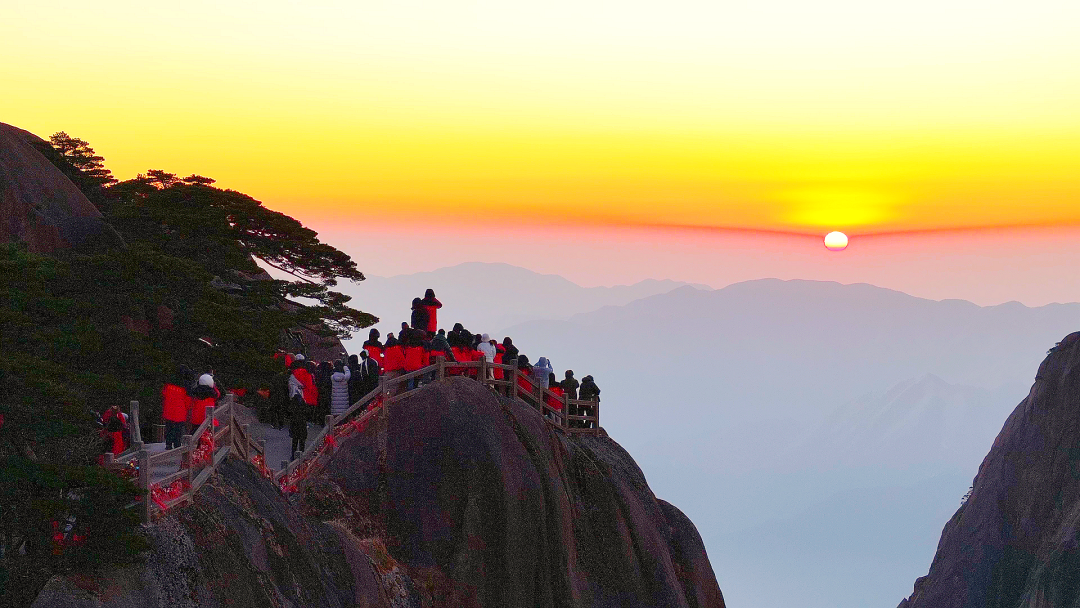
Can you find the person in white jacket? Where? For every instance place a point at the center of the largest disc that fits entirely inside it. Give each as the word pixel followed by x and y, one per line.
pixel 487 348
pixel 339 383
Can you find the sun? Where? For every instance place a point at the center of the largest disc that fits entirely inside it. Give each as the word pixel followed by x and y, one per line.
pixel 836 241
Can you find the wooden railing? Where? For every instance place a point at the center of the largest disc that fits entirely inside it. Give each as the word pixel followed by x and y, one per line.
pixel 514 384
pixel 202 451
pixel 199 454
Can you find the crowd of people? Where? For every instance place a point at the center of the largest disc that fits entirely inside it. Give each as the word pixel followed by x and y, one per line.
pixel 304 391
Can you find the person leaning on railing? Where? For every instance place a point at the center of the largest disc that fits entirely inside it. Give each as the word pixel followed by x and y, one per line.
pixel 589 392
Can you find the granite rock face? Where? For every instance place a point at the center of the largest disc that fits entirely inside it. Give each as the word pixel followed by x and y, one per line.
pixel 1016 541
pixel 476 495
pixel 39 205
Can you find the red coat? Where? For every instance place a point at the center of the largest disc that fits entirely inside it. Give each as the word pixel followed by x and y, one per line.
pixel 499 352
pixel 376 353
pixel 555 400
pixel 311 392
pixel 198 408
pixel 431 306
pixel 117 437
pixel 414 358
pixel 394 358
pixel 175 403
pixel 524 383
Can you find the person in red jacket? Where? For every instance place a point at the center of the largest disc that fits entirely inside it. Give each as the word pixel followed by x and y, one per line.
pixel 114 423
pixel 554 400
pixel 432 304
pixel 393 361
pixel 500 352
pixel 414 355
pixel 176 402
pixel 206 393
pixel 374 348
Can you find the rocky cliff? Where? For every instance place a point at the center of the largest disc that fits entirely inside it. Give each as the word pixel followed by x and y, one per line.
pixel 39 205
pixel 455 497
pixel 1016 541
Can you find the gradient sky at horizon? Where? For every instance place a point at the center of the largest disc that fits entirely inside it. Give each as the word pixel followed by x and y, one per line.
pixel 658 131
pixel 778 115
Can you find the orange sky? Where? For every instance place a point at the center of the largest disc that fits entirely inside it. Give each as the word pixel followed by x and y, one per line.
pixel 775 115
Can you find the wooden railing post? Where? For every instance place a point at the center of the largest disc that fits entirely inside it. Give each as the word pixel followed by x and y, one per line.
pixel 185 455
pixel 565 411
pixel 596 415
pixel 514 383
pixel 136 430
pixel 481 374
pixel 441 362
pixel 262 449
pixel 245 449
pixel 144 484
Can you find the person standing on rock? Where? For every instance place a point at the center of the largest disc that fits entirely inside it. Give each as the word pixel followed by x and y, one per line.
pixel 589 392
pixel 339 388
pixel 487 350
pixel 324 384
pixel 393 362
pixel 570 384
pixel 298 406
pixel 420 316
pixel 176 401
pixel 431 305
pixel 206 394
pixel 367 375
pixel 374 348
pixel 511 354
pixel 542 371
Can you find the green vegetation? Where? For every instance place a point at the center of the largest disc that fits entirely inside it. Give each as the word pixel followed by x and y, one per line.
pixel 81 332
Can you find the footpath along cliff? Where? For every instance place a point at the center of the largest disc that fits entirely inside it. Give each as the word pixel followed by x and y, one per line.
pixel 1015 543
pixel 452 497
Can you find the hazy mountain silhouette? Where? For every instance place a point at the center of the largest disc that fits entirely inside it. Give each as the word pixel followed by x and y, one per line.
pixel 731 400
pixel 489 297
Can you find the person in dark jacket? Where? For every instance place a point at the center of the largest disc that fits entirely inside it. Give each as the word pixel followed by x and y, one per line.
pixel 354 382
pixel 570 384
pixel 279 398
pixel 511 353
pixel 431 305
pixel 439 344
pixel 589 392
pixel 367 374
pixel 298 407
pixel 324 385
pixel 420 315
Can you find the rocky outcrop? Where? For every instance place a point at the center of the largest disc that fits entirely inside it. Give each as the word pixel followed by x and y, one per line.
pixel 39 205
pixel 1016 541
pixel 241 544
pixel 454 497
pixel 488 505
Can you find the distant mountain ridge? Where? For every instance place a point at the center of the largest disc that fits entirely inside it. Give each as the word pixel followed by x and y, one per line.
pixel 489 297
pixel 714 390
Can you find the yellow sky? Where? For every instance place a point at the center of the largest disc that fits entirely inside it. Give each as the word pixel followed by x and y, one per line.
pixel 769 114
